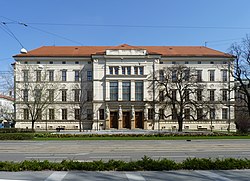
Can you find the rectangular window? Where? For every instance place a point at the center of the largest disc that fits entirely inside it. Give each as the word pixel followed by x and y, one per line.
pixel 161 96
pixel 64 95
pixel 199 75
pixel 38 95
pixel 116 70
pixel 150 114
pixel 186 74
pixel 224 113
pixel 38 75
pixel 123 70
pixel 77 95
pixel 126 91
pixel 212 113
pixel 89 114
pixel 224 75
pixel 25 95
pixel 161 75
pixel 25 75
pixel 114 91
pixel 64 75
pixel 161 113
pixel 224 95
pixel 173 95
pixel 77 114
pixel 51 75
pixel 174 75
pixel 64 114
pixel 26 114
pixel 51 95
pixel 211 95
pixel 174 114
pixel 187 114
pixel 101 114
pixel 111 70
pixel 139 90
pixel 89 75
pixel 51 114
pixel 199 95
pixel 39 114
pixel 128 70
pixel 77 75
pixel 141 70
pixel 136 70
pixel 89 95
pixel 211 75
pixel 200 113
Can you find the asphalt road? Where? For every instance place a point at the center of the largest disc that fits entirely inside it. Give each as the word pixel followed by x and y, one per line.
pixel 122 150
pixel 229 175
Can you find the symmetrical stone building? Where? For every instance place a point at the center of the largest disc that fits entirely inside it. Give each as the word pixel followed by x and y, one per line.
pixel 108 87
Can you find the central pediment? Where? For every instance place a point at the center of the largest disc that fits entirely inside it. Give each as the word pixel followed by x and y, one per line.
pixel 126 50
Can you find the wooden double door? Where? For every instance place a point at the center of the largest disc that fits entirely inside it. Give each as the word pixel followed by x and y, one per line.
pixel 139 120
pixel 126 120
pixel 114 120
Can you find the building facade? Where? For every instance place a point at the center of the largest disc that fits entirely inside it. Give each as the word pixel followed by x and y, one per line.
pixel 105 87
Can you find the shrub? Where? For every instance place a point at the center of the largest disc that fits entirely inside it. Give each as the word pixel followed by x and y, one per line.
pixel 16 136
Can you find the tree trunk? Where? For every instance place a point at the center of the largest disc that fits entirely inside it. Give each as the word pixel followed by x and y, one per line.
pixel 180 124
pixel 32 125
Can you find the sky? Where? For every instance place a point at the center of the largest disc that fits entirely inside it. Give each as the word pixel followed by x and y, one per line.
pixel 115 22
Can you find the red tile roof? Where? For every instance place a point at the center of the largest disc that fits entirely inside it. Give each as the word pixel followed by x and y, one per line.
pixel 83 51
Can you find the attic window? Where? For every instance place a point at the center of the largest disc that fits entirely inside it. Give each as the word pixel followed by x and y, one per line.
pixel 211 62
pixel 38 62
pixel 51 62
pixel 76 62
pixel 199 62
pixel 63 62
pixel 25 62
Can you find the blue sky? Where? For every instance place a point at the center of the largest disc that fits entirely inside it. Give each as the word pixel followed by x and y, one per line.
pixel 161 17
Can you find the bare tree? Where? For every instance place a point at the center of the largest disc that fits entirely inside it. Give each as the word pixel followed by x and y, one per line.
pixel 241 74
pixel 179 94
pixel 7 82
pixel 35 92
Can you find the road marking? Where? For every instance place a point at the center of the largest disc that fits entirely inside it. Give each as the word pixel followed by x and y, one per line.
pixel 12 180
pixel 109 157
pixel 82 154
pixel 56 176
pixel 213 176
pixel 42 157
pixel 185 156
pixel 135 177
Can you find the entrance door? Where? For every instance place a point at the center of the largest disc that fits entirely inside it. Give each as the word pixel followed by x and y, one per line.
pixel 138 120
pixel 114 120
pixel 126 120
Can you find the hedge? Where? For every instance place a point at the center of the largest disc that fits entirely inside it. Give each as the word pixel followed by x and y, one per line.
pixel 145 164
pixel 16 136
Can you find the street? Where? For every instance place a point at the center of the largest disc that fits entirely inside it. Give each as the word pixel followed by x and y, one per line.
pixel 126 150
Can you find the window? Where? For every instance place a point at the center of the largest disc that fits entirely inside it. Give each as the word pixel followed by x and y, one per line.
pixel 186 62
pixel 111 70
pixel 161 75
pixel 150 113
pixel 101 114
pixel 25 75
pixel 139 90
pixel 38 95
pixel 224 113
pixel 173 62
pixel 38 62
pixel 187 114
pixel 212 113
pixel 200 113
pixel 64 95
pixel 89 114
pixel 199 75
pixel 174 75
pixel 77 75
pixel 64 114
pixel 76 62
pixel 25 95
pixel 173 95
pixel 212 62
pixel 224 95
pixel 77 95
pixel 174 114
pixel 138 70
pixel 26 114
pixel 64 75
pixel 199 62
pixel 161 113
pixel 77 114
pixel 161 95
pixel 38 75
pixel 89 95
pixel 63 62
pixel 51 75
pixel 126 91
pixel 51 95
pixel 116 70
pixel 211 75
pixel 186 74
pixel 51 114
pixel 126 70
pixel 89 75
pixel 211 95
pixel 224 75
pixel 39 114
pixel 186 95
pixel 51 62
pixel 114 91
pixel 199 95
